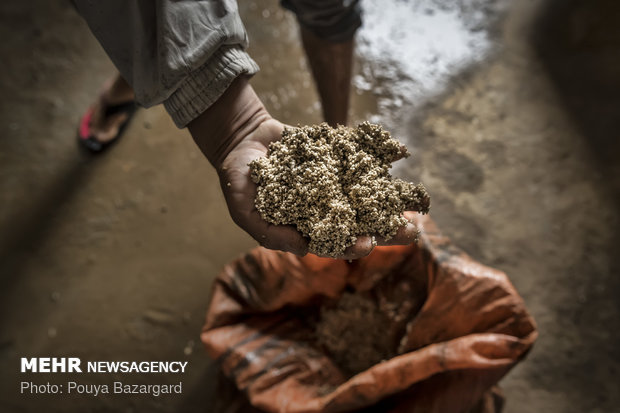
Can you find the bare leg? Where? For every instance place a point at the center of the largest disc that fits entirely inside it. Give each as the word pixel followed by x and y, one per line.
pixel 114 91
pixel 331 65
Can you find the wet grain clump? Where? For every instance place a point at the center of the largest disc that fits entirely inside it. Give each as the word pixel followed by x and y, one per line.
pixel 334 184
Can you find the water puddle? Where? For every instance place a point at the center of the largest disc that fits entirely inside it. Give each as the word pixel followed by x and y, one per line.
pixel 409 50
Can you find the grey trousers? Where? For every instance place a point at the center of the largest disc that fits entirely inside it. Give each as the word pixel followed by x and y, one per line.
pixel 186 53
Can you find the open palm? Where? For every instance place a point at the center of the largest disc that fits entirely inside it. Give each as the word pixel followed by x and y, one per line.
pixel 240 192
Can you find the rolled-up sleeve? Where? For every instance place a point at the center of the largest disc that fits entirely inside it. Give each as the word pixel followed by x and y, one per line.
pixel 184 54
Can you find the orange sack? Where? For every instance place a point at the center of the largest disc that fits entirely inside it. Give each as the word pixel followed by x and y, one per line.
pixel 460 327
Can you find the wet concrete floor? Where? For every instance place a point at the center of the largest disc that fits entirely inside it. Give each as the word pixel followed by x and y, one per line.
pixel 511 110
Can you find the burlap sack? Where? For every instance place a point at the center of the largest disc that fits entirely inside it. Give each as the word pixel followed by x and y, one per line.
pixel 462 327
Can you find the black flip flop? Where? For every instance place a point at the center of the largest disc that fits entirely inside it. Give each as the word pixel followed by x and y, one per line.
pixel 89 141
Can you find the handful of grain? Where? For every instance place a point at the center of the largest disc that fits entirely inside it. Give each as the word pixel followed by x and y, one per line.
pixel 334 184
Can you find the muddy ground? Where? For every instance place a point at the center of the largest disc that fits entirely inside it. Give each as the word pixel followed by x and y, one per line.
pixel 111 258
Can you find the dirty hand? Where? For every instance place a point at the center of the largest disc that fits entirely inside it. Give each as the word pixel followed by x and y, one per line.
pixel 235 130
pixel 238 129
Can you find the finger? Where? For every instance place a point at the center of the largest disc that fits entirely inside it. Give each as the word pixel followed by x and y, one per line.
pixel 276 237
pixel 240 193
pixel 362 247
pixel 282 237
pixel 405 235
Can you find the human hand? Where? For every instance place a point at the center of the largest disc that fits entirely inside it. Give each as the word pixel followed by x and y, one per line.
pixel 240 191
pixel 235 130
pixel 238 129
